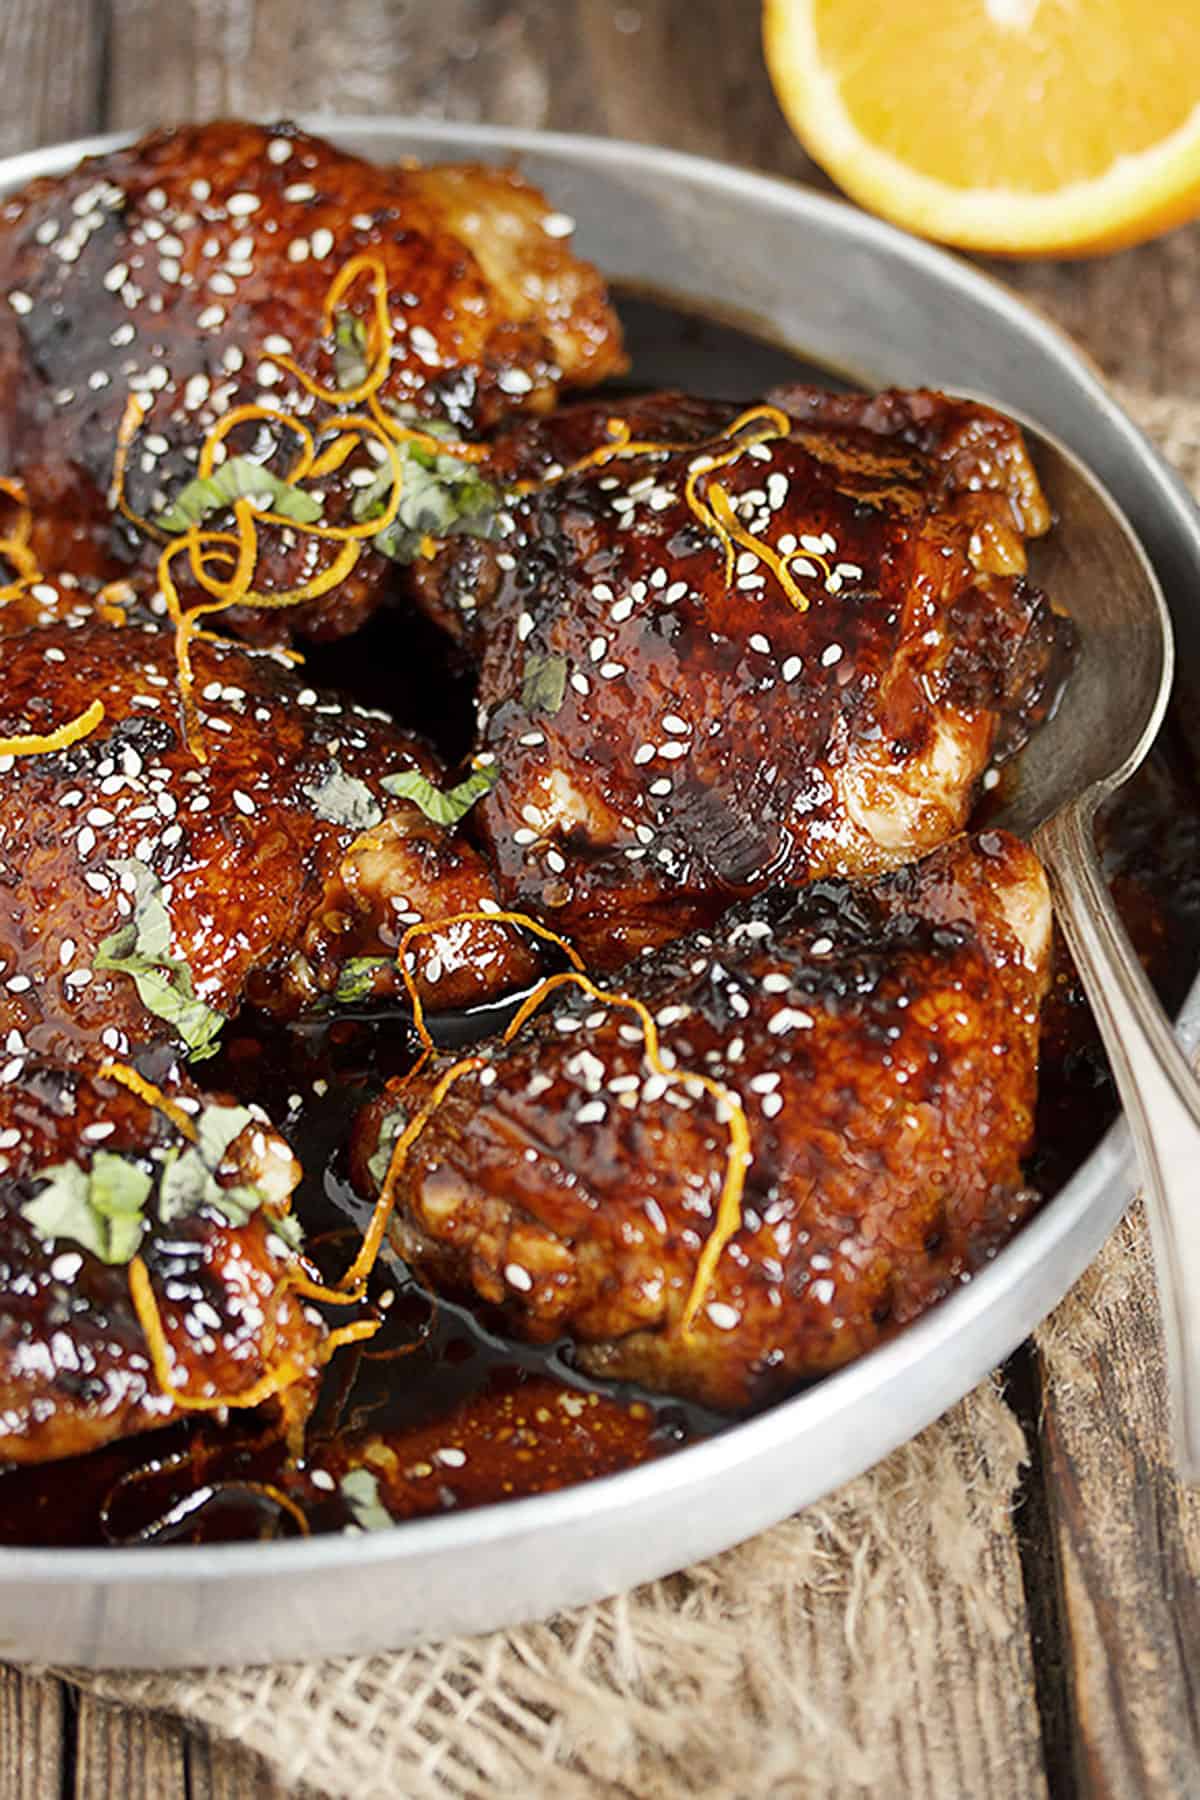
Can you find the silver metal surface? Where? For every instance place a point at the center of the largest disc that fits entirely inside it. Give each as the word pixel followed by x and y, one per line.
pixel 1112 710
pixel 856 295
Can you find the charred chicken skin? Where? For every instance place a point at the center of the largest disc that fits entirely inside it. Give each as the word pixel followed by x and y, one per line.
pixel 719 654
pixel 92 1177
pixel 882 1043
pixel 191 271
pixel 145 894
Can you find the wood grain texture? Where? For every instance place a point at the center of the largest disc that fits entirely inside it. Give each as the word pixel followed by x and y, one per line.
pixel 227 1772
pixel 32 1722
pixel 53 56
pixel 140 1756
pixel 1124 1541
pixel 1126 1534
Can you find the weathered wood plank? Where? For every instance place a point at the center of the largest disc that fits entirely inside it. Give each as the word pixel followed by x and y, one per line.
pixel 137 1755
pixel 217 1771
pixel 1126 1534
pixel 32 1729
pixel 52 53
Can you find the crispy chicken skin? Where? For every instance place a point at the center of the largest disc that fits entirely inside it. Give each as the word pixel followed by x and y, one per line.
pixel 75 1370
pixel 280 861
pixel 669 738
pixel 175 267
pixel 883 1040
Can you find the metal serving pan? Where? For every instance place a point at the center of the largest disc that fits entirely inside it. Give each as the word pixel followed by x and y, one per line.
pixel 855 295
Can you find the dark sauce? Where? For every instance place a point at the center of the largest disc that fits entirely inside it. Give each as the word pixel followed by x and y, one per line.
pixel 440 1412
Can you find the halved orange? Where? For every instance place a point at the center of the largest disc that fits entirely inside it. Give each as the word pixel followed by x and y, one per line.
pixel 1028 127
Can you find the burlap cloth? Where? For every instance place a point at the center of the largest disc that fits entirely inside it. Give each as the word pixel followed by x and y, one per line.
pixel 736 1678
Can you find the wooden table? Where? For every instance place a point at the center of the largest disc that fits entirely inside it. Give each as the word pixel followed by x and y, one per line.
pixel 1109 1548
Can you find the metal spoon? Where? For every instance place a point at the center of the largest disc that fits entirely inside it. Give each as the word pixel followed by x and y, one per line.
pixel 1093 566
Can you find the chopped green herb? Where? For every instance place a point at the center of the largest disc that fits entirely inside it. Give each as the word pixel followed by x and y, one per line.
pixel 141 949
pixel 360 1491
pixel 440 496
pixel 189 1178
pixel 356 978
pixel 390 1127
pixel 238 479
pixel 443 808
pixel 349 350
pixel 344 800
pixel 545 683
pixel 103 1209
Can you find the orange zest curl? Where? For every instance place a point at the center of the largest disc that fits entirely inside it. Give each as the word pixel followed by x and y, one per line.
pixel 14 546
pixel 379 333
pixel 352 1286
pixel 274 1381
pixel 729 1103
pixel 73 732
pixel 131 422
pixel 739 1155
pixel 710 504
pixel 429 927
pixel 223 563
pixel 153 1096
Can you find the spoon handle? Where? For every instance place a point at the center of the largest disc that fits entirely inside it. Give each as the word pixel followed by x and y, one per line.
pixel 1160 1095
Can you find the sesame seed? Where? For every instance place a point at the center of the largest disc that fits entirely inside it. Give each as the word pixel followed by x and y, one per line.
pixel 20 302
pixel 321 242
pixel 243 802
pixel 758 642
pixel 298 191
pixel 514 381
pixel 830 656
pixel 789 1018
pixel 673 723
pixel 239 205
pixel 725 1318
pixel 644 753
pixel 792 668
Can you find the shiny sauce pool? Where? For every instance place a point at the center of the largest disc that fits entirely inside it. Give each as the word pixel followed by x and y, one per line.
pixel 437 1412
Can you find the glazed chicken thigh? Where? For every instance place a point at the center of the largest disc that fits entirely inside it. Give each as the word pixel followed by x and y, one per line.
pixel 145 894
pixel 721 654
pixel 91 1175
pixel 881 1042
pixel 190 270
